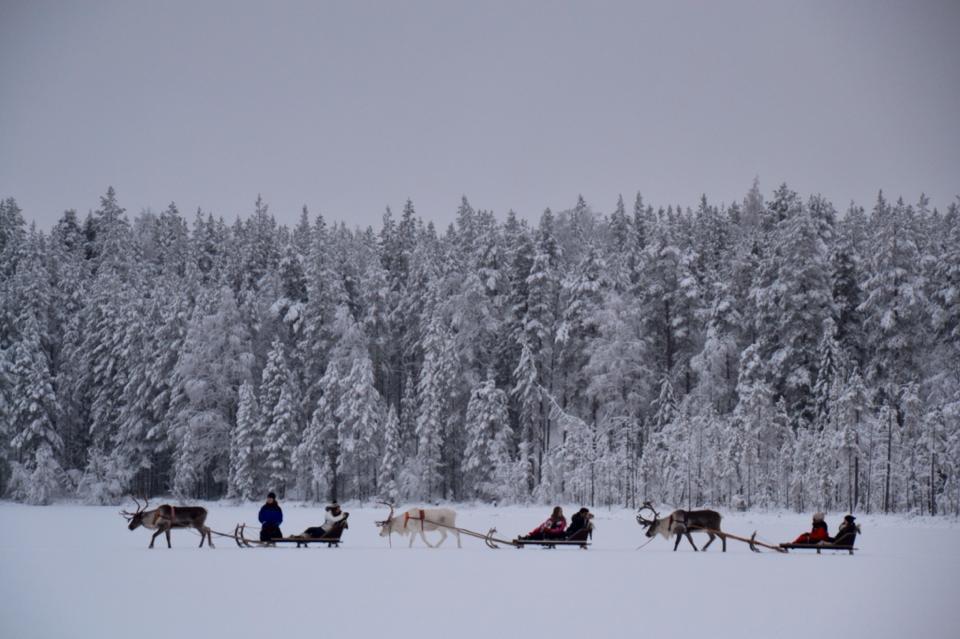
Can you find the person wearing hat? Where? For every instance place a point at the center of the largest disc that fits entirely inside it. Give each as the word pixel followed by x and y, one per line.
pixel 333 518
pixel 817 534
pixel 271 516
pixel 579 521
pixel 848 531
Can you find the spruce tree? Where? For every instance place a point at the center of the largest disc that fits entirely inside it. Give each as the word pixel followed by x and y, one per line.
pixel 246 446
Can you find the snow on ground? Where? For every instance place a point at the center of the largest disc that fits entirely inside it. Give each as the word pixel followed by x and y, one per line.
pixel 76 571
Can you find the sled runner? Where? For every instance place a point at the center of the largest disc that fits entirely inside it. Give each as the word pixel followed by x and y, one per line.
pixel 332 539
pixel 818 547
pixel 578 538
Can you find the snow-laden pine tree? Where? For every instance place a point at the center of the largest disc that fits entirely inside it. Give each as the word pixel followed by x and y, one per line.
pixel 36 474
pixel 850 416
pixel 327 454
pixel 391 461
pixel 793 294
pixel 754 416
pixel 246 442
pixel 829 375
pixel 489 441
pixel 894 303
pixel 583 291
pixel 275 378
pixel 360 415
pixel 847 264
pixel 434 391
pixel 214 361
pixel 539 321
pixel 324 292
pixel 530 410
pixel 279 442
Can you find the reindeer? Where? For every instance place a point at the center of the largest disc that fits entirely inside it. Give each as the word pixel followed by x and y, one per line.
pixel 165 517
pixel 682 523
pixel 417 521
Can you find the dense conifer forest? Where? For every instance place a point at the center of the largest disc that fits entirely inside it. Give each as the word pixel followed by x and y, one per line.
pixel 771 353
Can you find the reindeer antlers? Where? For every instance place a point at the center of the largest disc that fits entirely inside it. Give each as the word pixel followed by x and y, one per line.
pixel 140 509
pixel 644 521
pixel 389 517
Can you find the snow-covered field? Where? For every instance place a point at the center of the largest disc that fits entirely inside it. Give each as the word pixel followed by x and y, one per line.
pixel 76 571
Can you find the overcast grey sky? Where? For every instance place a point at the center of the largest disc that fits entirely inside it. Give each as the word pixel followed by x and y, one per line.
pixel 350 106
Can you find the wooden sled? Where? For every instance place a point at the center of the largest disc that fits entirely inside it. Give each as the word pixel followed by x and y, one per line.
pixel 579 538
pixel 332 540
pixel 817 547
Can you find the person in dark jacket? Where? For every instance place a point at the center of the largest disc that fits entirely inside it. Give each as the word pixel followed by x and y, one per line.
pixel 333 519
pixel 848 531
pixel 579 521
pixel 271 516
pixel 817 534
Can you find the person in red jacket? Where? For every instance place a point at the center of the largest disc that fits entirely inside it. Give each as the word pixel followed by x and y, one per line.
pixel 817 534
pixel 552 528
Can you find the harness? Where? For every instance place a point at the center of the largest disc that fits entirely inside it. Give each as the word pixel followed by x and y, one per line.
pixel 682 522
pixel 406 518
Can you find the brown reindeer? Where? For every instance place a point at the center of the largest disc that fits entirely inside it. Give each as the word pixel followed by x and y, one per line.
pixel 682 523
pixel 165 517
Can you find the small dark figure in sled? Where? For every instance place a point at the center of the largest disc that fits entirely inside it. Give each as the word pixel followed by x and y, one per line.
pixel 271 516
pixel 552 528
pixel 817 534
pixel 578 522
pixel 847 533
pixel 333 518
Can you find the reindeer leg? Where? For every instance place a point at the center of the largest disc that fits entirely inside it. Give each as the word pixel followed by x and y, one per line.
pixel 723 538
pixel 690 539
pixel 167 532
pixel 710 541
pixel 154 538
pixel 677 542
pixel 209 537
pixel 203 535
pixel 424 538
pixel 443 537
pixel 458 539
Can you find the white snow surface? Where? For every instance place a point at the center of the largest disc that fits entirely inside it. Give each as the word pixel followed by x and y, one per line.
pixel 76 571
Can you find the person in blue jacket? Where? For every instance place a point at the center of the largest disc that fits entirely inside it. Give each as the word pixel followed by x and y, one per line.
pixel 271 516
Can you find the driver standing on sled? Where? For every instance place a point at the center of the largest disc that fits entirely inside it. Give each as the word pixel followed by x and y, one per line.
pixel 817 534
pixel 332 518
pixel 271 516
pixel 553 528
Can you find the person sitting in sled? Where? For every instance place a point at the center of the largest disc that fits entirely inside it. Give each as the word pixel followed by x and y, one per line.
pixel 552 528
pixel 271 516
pixel 332 518
pixel 848 531
pixel 579 521
pixel 817 534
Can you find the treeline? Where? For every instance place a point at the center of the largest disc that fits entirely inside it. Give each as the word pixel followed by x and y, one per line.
pixel 769 353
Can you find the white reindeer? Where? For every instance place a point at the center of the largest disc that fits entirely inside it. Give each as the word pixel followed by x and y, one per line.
pixel 417 521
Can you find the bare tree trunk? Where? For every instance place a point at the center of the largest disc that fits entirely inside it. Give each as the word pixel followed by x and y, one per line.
pixel 886 487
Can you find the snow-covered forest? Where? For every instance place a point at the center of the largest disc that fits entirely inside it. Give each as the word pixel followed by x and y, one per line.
pixel 775 352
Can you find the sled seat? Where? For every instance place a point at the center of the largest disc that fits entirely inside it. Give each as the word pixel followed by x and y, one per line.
pixel 579 538
pixel 818 547
pixel 331 540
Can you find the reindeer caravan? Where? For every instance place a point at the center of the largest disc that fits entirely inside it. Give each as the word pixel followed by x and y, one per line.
pixel 416 522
